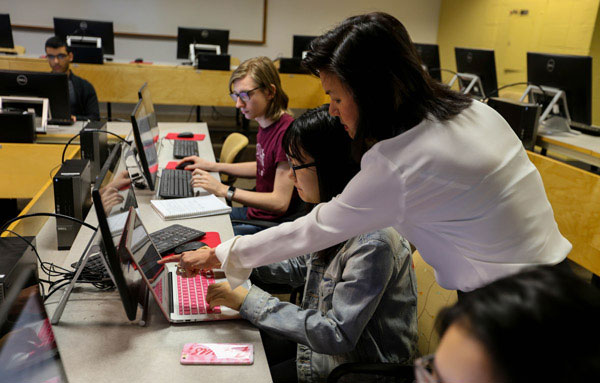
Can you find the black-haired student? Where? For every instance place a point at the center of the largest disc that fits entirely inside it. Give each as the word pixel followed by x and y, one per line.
pixel 446 172
pixel 82 95
pixel 360 301
pixel 540 325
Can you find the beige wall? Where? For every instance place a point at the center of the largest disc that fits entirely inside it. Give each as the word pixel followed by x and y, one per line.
pixel 285 18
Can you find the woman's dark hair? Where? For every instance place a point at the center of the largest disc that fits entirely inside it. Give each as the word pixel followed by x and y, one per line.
pixel 322 137
pixel 541 325
pixel 375 59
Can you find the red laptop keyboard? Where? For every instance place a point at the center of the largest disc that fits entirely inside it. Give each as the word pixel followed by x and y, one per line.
pixel 192 293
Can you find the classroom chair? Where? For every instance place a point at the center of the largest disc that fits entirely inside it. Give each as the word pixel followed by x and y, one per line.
pixel 232 150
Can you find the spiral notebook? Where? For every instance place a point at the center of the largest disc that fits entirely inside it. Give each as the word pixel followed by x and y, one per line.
pixel 189 207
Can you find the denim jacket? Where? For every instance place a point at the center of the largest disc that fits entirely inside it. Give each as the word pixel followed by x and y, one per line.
pixel 359 307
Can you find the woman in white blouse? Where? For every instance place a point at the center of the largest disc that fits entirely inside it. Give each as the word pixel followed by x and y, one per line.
pixel 446 172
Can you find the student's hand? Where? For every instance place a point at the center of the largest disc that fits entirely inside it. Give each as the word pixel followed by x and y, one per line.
pixel 203 179
pixel 110 197
pixel 199 163
pixel 191 262
pixel 220 294
pixel 121 180
pixel 73 118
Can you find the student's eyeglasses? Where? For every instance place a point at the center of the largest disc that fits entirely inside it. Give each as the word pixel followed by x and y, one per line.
pixel 298 167
pixel 60 56
pixel 425 370
pixel 245 95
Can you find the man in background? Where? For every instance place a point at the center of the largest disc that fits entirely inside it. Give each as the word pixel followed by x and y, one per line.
pixel 82 95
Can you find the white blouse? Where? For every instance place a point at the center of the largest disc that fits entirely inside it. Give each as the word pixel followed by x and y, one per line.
pixel 462 191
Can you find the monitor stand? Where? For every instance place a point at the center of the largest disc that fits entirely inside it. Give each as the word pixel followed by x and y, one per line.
pixel 63 300
pixel 474 84
pixel 551 123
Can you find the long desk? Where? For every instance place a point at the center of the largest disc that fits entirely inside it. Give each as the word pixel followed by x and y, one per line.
pixel 171 84
pixel 583 147
pixel 96 340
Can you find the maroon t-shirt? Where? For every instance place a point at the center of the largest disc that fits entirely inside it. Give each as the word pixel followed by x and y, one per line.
pixel 269 151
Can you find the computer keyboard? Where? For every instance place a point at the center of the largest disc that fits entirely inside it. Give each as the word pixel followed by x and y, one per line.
pixel 183 148
pixel 587 129
pixel 64 122
pixel 176 183
pixel 94 268
pixel 192 294
pixel 167 239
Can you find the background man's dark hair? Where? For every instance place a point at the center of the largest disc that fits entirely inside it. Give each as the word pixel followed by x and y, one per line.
pixel 56 42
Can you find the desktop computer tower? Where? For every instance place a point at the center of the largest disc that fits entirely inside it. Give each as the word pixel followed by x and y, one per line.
pixel 522 117
pixel 72 197
pixel 16 126
pixel 94 146
pixel 17 255
pixel 213 61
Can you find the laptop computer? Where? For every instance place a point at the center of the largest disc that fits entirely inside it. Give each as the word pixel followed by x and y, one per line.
pixel 28 350
pixel 180 299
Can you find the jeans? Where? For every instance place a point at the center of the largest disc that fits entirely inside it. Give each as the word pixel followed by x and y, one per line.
pixel 242 228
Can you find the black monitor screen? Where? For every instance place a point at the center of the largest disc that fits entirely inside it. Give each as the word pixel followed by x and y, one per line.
pixel 112 207
pixel 6 37
pixel 80 27
pixel 301 44
pixel 480 62
pixel 187 36
pixel 144 142
pixel 430 57
pixel 28 350
pixel 144 95
pixel 53 86
pixel 572 74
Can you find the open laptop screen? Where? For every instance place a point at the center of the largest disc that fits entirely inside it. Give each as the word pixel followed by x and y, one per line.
pixel 144 142
pixel 112 207
pixel 28 351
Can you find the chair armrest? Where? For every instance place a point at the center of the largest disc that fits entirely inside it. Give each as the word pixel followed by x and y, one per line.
pixel 255 222
pixel 406 373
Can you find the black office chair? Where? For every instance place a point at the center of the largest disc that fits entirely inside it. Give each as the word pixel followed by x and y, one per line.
pixel 403 373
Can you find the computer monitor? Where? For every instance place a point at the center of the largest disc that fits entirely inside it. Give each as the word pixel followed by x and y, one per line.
pixel 430 58
pixel 571 74
pixel 480 62
pixel 112 215
pixel 53 86
pixel 144 142
pixel 187 36
pixel 90 28
pixel 144 95
pixel 28 350
pixel 6 36
pixel 301 44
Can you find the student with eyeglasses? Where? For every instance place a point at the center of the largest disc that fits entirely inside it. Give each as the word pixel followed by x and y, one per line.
pixel 540 325
pixel 360 300
pixel 256 89
pixel 82 95
pixel 447 172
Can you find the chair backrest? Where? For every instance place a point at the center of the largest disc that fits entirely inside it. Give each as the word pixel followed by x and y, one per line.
pixel 232 148
pixel 575 198
pixel 431 299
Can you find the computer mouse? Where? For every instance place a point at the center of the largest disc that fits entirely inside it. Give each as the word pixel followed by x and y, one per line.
pixel 182 165
pixel 185 135
pixel 190 246
pixel 139 60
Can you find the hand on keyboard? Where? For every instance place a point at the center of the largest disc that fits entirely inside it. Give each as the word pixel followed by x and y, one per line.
pixel 221 294
pixel 192 262
pixel 203 179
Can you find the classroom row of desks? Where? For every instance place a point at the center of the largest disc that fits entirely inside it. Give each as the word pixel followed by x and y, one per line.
pixel 96 340
pixel 170 84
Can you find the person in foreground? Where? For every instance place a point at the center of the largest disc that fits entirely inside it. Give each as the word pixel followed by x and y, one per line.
pixel 540 325
pixel 445 171
pixel 256 89
pixel 360 302
pixel 82 95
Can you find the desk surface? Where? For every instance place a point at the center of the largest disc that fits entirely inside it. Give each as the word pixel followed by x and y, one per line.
pixel 171 84
pixel 581 147
pixel 97 341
